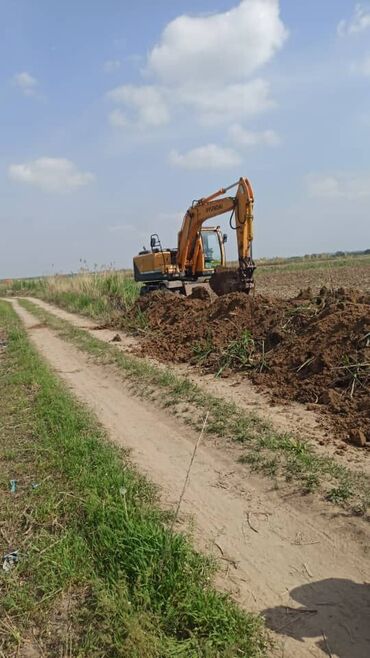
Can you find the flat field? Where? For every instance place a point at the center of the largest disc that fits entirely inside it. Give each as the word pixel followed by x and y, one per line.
pixel 286 279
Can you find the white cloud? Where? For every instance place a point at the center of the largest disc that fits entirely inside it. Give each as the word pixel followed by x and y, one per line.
pixel 205 64
pixel 226 102
pixel 26 83
pixel 50 174
pixel 111 65
pixel 147 104
pixel 361 67
pixel 349 186
pixel 210 156
pixel 359 22
pixel 224 46
pixel 150 105
pixel 242 137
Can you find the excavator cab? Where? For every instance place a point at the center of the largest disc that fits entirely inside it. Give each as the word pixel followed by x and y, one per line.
pixel 213 248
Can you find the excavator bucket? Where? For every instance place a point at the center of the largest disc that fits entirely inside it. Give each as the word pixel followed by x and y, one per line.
pixel 225 281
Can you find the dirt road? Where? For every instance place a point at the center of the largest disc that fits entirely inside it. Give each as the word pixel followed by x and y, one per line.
pixel 287 416
pixel 304 566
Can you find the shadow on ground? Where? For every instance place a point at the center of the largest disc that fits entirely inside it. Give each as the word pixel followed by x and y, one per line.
pixel 335 611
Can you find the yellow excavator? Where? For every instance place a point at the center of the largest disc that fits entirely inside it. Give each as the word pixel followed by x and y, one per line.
pixel 199 260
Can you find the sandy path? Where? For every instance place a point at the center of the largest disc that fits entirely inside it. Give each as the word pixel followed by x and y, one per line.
pixel 275 553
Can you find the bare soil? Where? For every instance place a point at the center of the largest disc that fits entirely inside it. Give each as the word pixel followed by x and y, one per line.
pixel 314 349
pixel 304 567
pixel 283 281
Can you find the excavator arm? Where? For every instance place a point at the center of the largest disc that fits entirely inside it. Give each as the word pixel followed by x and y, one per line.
pixel 189 235
pixel 189 239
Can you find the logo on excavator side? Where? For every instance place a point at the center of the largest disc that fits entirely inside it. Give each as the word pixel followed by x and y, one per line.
pixel 213 208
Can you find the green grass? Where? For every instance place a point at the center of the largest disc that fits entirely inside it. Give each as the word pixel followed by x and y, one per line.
pixel 281 456
pixel 100 572
pixel 239 354
pixel 99 295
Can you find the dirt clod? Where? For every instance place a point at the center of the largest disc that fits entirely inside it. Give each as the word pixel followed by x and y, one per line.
pixel 331 398
pixel 357 437
pixel 199 292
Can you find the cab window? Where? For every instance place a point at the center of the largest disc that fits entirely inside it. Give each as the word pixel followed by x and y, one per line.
pixel 211 249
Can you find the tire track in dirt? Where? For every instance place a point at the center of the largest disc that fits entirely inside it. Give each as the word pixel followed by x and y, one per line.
pixel 306 565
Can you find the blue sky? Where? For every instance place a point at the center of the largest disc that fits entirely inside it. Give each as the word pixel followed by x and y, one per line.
pixel 116 115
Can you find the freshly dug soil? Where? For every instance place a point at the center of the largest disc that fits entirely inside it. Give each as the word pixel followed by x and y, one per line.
pixel 312 348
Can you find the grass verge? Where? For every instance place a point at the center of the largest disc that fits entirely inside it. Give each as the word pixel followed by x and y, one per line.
pixel 100 574
pixel 280 456
pixel 95 294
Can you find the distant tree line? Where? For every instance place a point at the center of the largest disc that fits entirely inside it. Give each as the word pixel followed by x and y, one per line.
pixel 321 256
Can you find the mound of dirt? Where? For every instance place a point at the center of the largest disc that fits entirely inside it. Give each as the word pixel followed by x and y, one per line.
pixel 313 348
pixel 179 325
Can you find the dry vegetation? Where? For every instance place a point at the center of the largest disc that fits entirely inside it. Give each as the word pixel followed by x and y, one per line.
pixel 95 293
